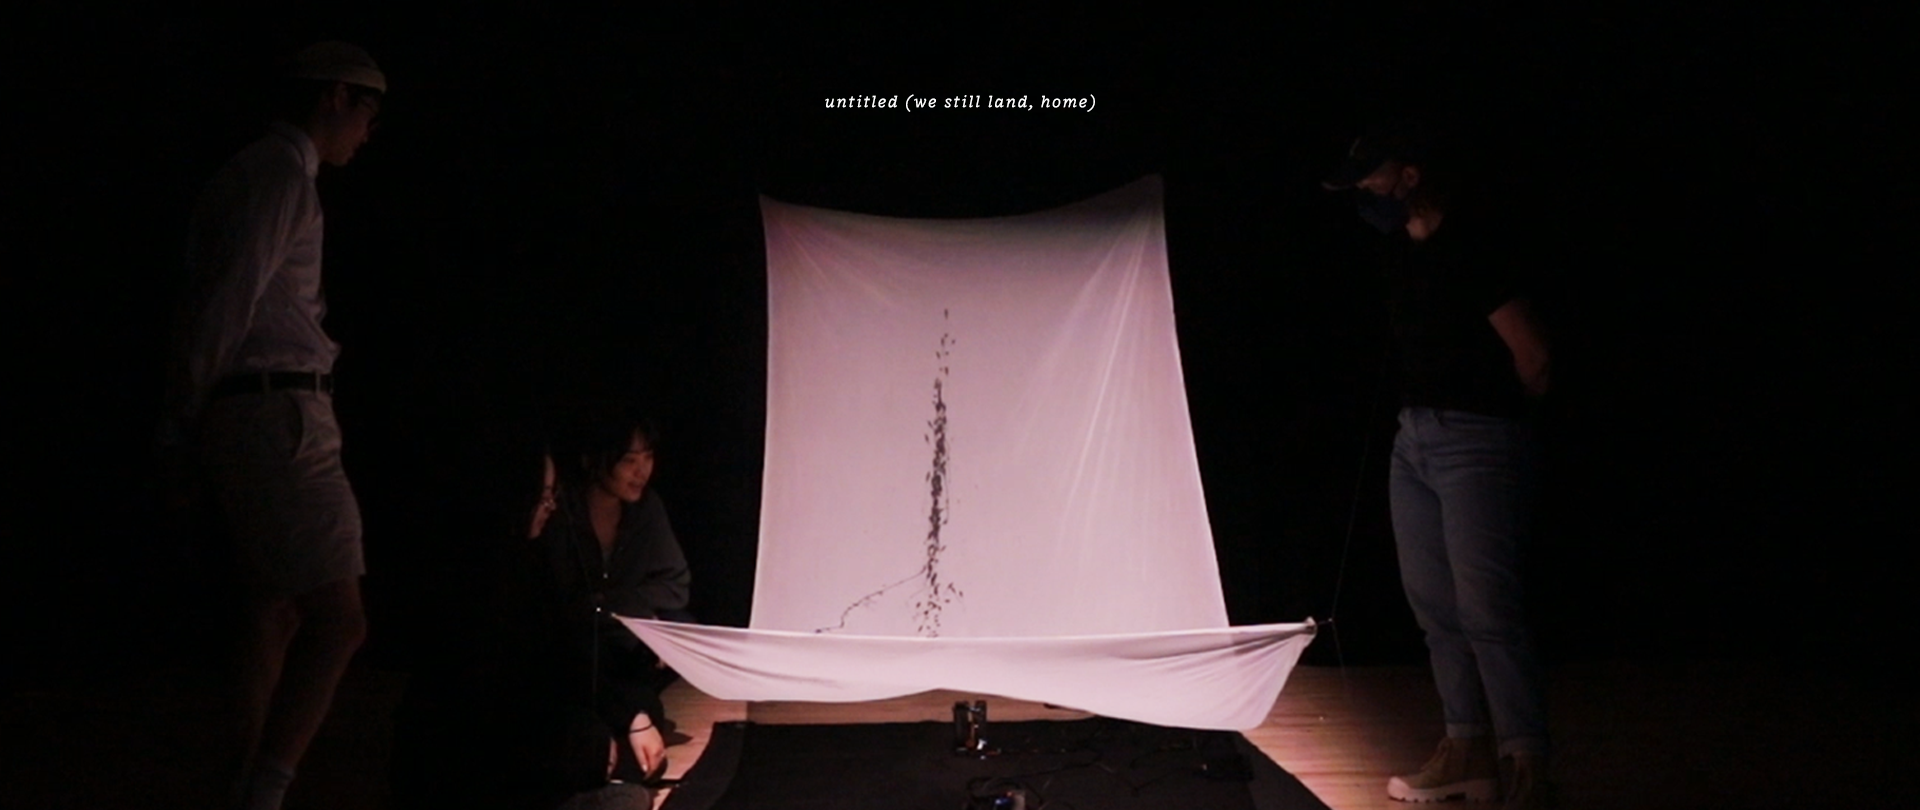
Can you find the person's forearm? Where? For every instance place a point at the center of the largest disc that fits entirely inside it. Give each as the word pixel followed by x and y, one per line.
pixel 1535 372
pixel 1526 341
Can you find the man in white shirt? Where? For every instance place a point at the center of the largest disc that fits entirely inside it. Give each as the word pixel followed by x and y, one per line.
pixel 252 388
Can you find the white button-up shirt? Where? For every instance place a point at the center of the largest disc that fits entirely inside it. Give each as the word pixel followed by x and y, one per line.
pixel 254 300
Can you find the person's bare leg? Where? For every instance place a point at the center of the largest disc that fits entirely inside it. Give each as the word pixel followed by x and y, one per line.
pixel 332 626
pixel 270 625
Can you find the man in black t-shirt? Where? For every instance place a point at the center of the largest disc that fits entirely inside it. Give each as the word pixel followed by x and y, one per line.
pixel 1471 354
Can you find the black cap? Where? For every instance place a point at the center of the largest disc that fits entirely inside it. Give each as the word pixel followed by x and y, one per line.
pixel 1406 142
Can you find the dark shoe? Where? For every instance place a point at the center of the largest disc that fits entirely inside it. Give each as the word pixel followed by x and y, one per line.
pixel 612 796
pixel 670 734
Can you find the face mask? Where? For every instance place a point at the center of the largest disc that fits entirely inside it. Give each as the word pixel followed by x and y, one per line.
pixel 1384 213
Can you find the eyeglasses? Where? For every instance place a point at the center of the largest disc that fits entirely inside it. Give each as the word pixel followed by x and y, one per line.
pixel 370 101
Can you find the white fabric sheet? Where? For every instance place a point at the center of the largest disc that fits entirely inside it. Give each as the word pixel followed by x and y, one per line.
pixel 980 475
pixel 1224 678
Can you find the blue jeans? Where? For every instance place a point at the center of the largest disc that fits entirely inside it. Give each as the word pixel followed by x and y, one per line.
pixel 1461 489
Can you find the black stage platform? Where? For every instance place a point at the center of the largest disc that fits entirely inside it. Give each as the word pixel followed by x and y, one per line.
pixel 1092 764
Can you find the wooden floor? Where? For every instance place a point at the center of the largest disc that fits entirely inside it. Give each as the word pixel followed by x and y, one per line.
pixel 1628 735
pixel 1634 735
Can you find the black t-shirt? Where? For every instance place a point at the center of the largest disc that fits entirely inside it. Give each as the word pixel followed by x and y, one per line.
pixel 1440 292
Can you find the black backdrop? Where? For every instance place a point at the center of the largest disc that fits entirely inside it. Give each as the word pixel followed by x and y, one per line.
pixel 564 204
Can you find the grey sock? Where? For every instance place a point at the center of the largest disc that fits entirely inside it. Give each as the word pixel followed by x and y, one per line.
pixel 265 787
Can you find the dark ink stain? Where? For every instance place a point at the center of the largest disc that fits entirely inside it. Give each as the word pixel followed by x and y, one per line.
pixel 937 593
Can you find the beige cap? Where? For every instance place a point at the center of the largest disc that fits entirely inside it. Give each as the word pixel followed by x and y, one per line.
pixel 337 62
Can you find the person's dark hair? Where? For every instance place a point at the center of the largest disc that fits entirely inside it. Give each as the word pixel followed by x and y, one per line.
pixel 1424 145
pixel 1438 179
pixel 502 476
pixel 597 437
pixel 293 100
pixel 1433 147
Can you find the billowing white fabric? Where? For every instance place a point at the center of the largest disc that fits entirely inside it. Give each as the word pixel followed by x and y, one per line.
pixel 1221 678
pixel 980 475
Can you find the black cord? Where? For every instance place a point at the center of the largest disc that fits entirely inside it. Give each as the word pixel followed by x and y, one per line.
pixel 1359 485
pixel 1353 509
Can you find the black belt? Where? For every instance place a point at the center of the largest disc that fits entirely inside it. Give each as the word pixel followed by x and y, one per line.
pixel 263 382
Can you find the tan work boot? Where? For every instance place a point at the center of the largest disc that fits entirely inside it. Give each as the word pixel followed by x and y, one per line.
pixel 1527 787
pixel 1462 768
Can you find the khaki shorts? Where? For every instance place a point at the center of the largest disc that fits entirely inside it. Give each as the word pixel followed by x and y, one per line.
pixel 275 464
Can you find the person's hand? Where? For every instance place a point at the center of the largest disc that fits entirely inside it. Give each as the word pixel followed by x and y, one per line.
pixel 648 746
